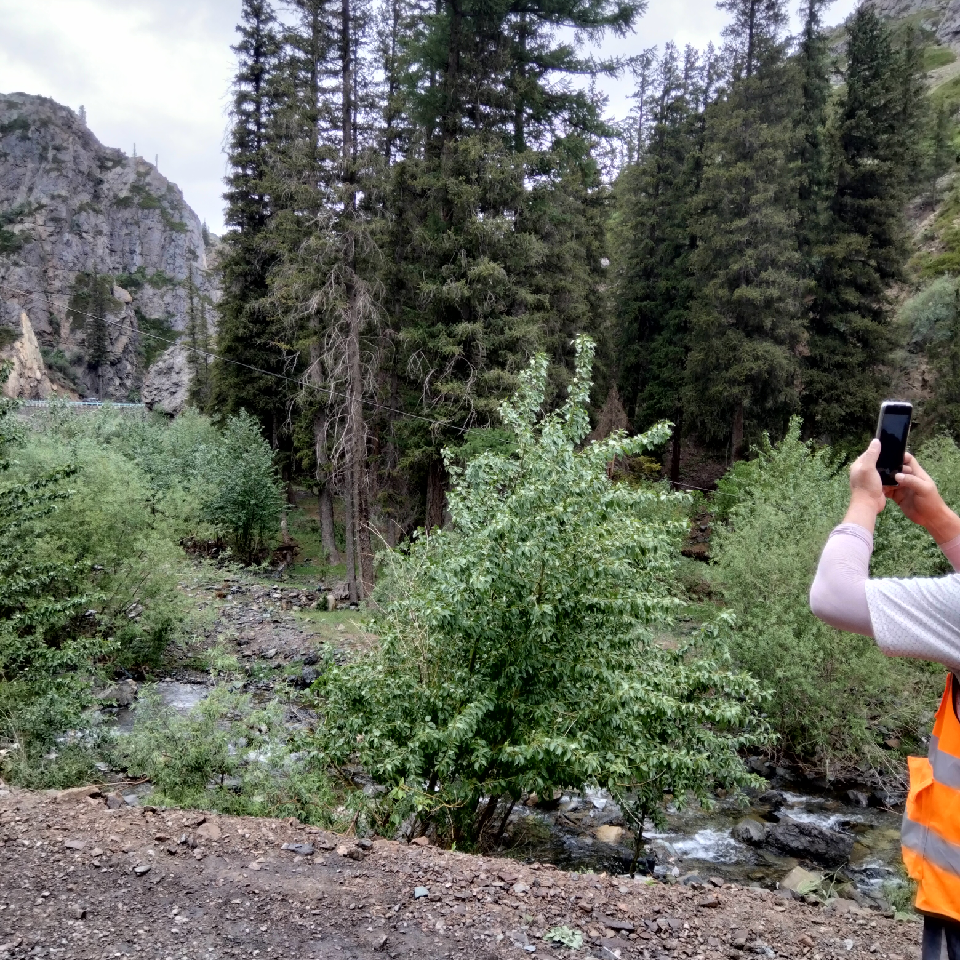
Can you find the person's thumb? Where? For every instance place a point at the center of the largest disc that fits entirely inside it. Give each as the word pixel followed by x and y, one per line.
pixel 871 454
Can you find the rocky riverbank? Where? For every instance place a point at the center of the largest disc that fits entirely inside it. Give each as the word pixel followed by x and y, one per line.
pixel 82 880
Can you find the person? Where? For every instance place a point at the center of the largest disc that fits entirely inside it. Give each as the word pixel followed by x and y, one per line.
pixel 917 617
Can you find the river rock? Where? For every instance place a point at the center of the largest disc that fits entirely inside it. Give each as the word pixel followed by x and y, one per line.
pixel 121 694
pixel 750 831
pixel 801 882
pixel 810 842
pixel 858 798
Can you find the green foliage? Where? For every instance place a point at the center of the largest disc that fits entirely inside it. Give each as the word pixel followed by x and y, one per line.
pixel 225 754
pixel 10 242
pixel 16 125
pixel 937 56
pixel 93 508
pixel 245 499
pixel 159 334
pixel 517 646
pixel 565 936
pixel 929 313
pixel 875 156
pixel 746 321
pixel 835 696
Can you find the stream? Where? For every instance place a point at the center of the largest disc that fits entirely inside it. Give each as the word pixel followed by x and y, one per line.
pixel 586 831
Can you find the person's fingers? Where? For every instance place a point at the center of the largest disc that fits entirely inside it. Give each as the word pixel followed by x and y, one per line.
pixel 911 482
pixel 870 455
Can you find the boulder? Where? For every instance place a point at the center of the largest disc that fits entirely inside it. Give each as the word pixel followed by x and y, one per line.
pixel 801 882
pixel 808 841
pixel 750 831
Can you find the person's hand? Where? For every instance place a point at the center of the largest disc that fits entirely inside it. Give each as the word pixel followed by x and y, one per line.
pixel 866 490
pixel 917 496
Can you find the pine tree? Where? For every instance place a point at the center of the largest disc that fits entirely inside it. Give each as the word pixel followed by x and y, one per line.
pixel 943 408
pixel 653 279
pixel 197 336
pixel 874 153
pixel 813 61
pixel 247 339
pixel 746 325
pixel 464 226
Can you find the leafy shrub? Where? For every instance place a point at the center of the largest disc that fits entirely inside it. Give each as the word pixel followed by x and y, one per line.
pixel 244 499
pixel 836 697
pixel 928 313
pixel 225 754
pixel 517 647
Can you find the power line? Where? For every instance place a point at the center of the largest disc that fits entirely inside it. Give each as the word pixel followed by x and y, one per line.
pixel 331 393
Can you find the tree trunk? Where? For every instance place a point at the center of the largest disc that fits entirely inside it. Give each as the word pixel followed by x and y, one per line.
pixel 436 494
pixel 736 439
pixel 675 450
pixel 325 497
pixel 351 545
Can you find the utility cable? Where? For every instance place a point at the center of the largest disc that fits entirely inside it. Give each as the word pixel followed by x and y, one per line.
pixel 331 393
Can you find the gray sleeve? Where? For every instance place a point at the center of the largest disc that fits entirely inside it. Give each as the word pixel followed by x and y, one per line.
pixel 918 618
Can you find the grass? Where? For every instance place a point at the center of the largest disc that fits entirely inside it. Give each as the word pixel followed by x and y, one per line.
pixel 937 56
pixel 303 523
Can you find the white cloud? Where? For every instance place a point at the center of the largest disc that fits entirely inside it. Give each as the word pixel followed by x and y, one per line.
pixel 157 73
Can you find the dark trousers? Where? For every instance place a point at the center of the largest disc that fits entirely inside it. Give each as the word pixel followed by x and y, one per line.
pixel 941 939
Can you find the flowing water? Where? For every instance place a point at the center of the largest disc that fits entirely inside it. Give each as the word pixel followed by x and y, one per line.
pixel 586 831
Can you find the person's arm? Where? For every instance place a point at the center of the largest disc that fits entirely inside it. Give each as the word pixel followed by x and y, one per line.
pixel 917 496
pixel 917 618
pixel 838 595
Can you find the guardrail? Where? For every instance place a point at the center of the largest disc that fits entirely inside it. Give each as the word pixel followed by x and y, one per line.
pixel 83 404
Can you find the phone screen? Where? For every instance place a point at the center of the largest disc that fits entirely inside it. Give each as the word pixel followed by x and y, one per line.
pixel 894 427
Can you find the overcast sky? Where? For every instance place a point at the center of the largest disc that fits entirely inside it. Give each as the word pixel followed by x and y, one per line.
pixel 156 73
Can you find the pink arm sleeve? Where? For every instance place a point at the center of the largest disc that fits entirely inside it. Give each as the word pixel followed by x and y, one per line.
pixel 838 595
pixel 951 550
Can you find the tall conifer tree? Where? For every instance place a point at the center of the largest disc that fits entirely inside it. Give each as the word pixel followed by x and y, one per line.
pixel 247 330
pixel 746 324
pixel 874 153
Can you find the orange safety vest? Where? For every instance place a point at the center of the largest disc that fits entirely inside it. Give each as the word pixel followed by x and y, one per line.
pixel 930 837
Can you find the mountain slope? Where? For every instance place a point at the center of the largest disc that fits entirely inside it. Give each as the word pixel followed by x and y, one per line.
pixel 70 207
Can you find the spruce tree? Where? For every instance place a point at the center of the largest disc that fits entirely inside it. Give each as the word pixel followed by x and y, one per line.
pixel 813 62
pixel 746 325
pixel 466 253
pixel 247 338
pixel 874 146
pixel 653 283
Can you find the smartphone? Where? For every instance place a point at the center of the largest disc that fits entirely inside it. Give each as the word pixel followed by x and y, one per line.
pixel 893 428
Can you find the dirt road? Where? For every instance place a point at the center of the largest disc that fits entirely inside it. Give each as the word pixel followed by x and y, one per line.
pixel 78 880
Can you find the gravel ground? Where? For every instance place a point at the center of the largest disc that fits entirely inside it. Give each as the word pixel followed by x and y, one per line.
pixel 79 880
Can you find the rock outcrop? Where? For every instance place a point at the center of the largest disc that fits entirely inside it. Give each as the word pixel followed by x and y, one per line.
pixel 167 383
pixel 942 17
pixel 28 378
pixel 86 230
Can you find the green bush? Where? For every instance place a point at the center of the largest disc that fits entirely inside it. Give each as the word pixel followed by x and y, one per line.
pixel 244 498
pixel 836 697
pixel 518 652
pixel 225 754
pixel 928 313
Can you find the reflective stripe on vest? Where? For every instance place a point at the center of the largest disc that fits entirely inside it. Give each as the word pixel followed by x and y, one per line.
pixel 931 821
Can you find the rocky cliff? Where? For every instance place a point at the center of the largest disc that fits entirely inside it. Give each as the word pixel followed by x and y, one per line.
pixel 103 257
pixel 938 17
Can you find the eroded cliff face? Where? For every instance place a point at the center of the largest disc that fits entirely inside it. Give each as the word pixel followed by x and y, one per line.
pixel 942 17
pixel 88 232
